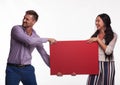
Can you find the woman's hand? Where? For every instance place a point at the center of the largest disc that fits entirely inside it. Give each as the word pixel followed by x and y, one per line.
pixel 93 39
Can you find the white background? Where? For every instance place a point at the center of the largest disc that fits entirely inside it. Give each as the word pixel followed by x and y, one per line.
pixel 62 20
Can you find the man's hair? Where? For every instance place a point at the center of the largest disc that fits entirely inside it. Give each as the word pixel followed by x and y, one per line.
pixel 32 12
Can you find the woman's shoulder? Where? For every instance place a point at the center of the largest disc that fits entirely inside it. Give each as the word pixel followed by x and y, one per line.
pixel 115 34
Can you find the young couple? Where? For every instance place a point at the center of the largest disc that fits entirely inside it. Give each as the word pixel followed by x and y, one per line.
pixel 24 39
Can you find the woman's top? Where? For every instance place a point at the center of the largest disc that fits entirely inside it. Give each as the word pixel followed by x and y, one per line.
pixel 106 55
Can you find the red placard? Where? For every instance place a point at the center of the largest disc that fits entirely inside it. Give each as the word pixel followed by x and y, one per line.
pixel 80 57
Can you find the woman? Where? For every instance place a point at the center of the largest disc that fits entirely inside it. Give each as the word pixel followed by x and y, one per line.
pixel 106 39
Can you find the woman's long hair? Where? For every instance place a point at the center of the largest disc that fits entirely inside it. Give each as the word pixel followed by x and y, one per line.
pixel 108 32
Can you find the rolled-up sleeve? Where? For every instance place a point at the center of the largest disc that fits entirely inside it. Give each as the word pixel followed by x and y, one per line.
pixel 111 45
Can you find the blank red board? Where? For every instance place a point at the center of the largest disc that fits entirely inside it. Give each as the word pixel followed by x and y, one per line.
pixel 74 56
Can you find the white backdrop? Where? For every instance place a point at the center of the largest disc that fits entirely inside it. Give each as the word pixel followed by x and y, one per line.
pixel 62 20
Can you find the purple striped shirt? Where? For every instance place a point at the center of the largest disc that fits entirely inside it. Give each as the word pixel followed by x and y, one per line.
pixel 22 45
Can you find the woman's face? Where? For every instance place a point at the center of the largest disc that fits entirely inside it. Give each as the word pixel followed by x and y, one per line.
pixel 99 23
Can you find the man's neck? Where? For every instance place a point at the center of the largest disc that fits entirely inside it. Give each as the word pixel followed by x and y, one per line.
pixel 29 31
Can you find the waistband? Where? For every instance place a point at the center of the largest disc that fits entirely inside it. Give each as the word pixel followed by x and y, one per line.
pixel 18 65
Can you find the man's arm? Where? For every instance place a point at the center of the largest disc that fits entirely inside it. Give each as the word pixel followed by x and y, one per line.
pixel 19 34
pixel 43 54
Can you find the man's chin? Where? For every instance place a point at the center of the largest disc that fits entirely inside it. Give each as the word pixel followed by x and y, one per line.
pixel 24 26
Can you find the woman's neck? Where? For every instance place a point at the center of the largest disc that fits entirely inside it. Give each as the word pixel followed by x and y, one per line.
pixel 101 34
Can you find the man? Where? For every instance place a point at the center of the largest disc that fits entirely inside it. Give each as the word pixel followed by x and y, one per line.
pixel 23 41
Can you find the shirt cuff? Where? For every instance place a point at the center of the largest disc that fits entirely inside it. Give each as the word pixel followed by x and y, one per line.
pixel 44 40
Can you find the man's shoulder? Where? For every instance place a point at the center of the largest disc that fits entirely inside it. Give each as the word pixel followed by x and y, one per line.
pixel 17 26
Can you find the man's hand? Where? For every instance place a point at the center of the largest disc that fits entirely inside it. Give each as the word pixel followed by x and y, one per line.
pixel 59 74
pixel 73 74
pixel 51 40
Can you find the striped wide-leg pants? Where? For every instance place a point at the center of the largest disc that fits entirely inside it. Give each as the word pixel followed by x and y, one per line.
pixel 105 76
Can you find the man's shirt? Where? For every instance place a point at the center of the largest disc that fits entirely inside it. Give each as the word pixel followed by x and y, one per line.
pixel 22 45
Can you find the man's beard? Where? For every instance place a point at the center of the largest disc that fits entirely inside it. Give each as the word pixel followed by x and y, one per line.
pixel 24 25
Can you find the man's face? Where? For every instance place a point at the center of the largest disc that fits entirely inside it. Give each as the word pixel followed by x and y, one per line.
pixel 28 21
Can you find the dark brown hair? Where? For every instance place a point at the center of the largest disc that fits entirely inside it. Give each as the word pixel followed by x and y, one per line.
pixel 32 12
pixel 108 32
